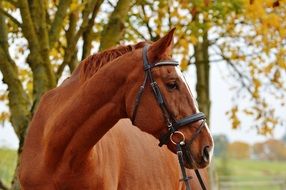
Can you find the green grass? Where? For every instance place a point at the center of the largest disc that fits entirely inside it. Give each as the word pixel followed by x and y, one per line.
pixel 252 174
pixel 8 161
pixel 252 168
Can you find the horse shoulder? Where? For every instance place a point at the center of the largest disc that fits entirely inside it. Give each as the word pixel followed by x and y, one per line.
pixel 32 166
pixel 132 159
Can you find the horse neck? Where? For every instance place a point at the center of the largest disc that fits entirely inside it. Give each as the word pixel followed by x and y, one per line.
pixel 88 114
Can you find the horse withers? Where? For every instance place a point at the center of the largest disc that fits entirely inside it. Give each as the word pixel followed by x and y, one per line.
pixel 69 145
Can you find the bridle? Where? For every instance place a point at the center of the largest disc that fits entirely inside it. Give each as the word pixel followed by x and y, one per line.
pixel 173 125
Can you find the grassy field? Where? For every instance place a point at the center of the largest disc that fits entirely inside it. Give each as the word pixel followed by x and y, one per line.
pixel 251 168
pixel 8 161
pixel 251 174
pixel 243 174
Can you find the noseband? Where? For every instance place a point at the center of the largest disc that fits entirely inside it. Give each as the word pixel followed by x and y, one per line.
pixel 172 124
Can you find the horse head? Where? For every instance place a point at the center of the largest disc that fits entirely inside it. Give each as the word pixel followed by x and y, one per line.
pixel 160 102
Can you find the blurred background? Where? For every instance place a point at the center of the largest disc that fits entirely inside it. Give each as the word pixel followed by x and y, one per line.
pixel 232 52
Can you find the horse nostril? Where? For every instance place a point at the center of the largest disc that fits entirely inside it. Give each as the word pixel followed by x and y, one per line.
pixel 206 155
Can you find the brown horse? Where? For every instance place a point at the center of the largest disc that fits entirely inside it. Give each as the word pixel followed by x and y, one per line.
pixel 69 144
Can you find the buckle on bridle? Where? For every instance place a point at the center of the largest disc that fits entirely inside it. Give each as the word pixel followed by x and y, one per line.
pixel 170 126
pixel 181 140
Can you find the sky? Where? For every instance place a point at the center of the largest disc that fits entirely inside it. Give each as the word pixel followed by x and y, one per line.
pixel 220 104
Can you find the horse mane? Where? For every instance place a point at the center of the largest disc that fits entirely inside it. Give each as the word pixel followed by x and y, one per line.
pixel 93 63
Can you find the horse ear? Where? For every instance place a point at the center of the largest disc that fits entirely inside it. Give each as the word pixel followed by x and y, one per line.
pixel 162 48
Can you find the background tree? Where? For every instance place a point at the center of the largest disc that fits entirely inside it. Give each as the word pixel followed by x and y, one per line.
pixel 258 151
pixel 254 49
pixel 220 151
pixel 39 39
pixel 239 150
pixel 284 138
pixel 270 150
pixel 221 143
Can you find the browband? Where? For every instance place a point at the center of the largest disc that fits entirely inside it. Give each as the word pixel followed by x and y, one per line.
pixel 148 66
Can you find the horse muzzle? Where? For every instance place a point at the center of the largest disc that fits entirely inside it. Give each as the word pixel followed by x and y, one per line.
pixel 197 161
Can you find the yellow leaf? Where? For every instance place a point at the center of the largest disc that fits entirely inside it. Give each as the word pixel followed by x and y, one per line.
pixel 255 94
pixel 282 32
pixel 184 43
pixel 256 83
pixel 4 116
pixel 281 63
pixel 268 68
pixel 73 6
pixel 234 118
pixel 184 64
pixel 29 87
pixel 3 96
pixel 273 20
pixel 248 112
pixel 276 76
pixel 193 39
pixel 266 130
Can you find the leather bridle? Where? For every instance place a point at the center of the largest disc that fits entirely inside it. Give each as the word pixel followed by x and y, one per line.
pixel 173 125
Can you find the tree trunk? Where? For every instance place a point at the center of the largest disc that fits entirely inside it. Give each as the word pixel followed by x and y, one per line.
pixel 202 66
pixel 203 88
pixel 19 102
pixel 15 181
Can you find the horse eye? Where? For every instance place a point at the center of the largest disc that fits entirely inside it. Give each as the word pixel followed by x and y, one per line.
pixel 172 85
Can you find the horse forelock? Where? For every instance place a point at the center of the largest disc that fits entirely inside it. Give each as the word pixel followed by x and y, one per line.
pixel 93 63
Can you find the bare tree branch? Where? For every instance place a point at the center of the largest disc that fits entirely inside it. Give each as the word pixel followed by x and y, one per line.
pixel 88 33
pixel 114 29
pixel 169 18
pixel 89 7
pixel 146 21
pixel 13 19
pixel 18 99
pixel 57 23
pixel 19 103
pixel 70 33
pixel 28 27
pixel 240 74
pixel 12 2
pixel 135 30
pixel 111 4
pixel 3 34
pixel 2 186
pixel 73 35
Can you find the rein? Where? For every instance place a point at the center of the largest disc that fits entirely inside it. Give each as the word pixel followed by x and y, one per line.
pixel 172 124
pixel 180 146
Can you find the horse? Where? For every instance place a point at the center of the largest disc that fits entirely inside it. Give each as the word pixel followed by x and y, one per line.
pixel 78 137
